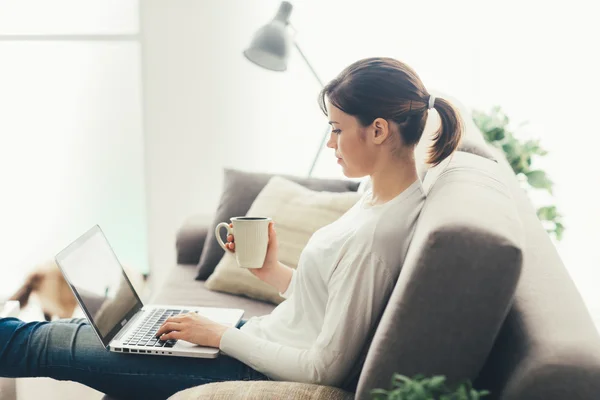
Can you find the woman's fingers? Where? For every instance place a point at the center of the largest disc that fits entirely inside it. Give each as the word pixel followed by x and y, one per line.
pixel 168 327
pixel 180 316
pixel 172 335
pixel 230 244
pixel 230 241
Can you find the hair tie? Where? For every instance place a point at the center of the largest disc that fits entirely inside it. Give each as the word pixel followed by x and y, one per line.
pixel 431 102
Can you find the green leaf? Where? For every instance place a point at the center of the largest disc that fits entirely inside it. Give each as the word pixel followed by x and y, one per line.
pixel 559 230
pixel 419 390
pixel 427 388
pixel 379 391
pixel 510 148
pixel 523 164
pixel 462 393
pixel 547 213
pixel 437 381
pixel 533 147
pixel 399 380
pixel 538 179
pixel 379 395
pixel 496 134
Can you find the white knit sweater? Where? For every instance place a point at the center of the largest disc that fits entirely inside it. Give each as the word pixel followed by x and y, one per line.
pixel 345 275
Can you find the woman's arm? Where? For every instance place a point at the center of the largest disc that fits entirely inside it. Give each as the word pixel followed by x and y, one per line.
pixel 273 272
pixel 204 332
pixel 279 276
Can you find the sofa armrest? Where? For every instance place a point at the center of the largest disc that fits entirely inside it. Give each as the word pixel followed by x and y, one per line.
pixel 457 281
pixel 262 390
pixel 190 239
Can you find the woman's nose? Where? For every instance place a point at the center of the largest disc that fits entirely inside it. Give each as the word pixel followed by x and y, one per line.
pixel 331 142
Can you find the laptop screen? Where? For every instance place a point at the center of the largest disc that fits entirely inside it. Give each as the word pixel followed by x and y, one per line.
pixel 99 283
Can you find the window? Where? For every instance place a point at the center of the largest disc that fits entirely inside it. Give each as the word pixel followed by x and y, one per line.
pixel 71 152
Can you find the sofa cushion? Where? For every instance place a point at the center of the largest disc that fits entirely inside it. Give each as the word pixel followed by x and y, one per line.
pixel 180 288
pixel 297 212
pixel 239 191
pixel 262 390
pixel 190 239
pixel 458 279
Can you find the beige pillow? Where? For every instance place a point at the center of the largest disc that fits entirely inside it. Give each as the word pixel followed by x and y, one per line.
pixel 298 212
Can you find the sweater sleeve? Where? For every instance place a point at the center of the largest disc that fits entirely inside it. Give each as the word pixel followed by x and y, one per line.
pixel 358 290
pixel 290 289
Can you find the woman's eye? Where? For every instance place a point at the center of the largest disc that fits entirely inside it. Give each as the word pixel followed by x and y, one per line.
pixel 336 131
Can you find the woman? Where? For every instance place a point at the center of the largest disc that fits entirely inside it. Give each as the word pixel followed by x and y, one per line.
pixel 377 109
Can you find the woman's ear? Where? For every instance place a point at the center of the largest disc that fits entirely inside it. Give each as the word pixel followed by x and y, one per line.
pixel 381 130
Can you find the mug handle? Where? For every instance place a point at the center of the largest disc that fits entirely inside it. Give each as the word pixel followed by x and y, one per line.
pixel 217 231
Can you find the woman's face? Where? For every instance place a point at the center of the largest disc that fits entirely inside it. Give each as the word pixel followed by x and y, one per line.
pixel 348 139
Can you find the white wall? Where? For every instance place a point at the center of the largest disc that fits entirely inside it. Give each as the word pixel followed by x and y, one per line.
pixel 71 151
pixel 207 107
pixel 71 140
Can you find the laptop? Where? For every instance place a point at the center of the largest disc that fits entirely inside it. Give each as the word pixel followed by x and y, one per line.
pixel 122 322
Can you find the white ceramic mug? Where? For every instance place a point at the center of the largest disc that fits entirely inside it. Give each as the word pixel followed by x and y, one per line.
pixel 251 237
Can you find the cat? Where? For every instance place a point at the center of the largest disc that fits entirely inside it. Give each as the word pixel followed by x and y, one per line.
pixel 56 299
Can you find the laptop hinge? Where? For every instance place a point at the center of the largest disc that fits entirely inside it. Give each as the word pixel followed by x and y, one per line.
pixel 128 324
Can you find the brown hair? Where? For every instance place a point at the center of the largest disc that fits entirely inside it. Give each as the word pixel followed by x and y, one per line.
pixel 387 88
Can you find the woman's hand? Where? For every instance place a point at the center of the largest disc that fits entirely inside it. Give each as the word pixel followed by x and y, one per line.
pixel 193 328
pixel 271 259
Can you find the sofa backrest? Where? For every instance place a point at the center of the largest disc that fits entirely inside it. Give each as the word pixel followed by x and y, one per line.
pixel 548 347
pixel 457 282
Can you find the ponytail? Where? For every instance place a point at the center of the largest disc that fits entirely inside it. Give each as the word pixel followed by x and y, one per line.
pixel 447 137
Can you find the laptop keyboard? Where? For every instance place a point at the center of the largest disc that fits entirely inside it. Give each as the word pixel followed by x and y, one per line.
pixel 144 335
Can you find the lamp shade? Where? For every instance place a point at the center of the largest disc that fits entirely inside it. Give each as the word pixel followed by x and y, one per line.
pixel 270 46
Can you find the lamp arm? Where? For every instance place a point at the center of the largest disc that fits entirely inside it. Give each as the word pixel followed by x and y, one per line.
pixel 307 63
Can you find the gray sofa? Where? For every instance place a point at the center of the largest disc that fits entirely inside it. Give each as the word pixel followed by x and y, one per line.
pixel 483 295
pixel 478 297
pixel 528 340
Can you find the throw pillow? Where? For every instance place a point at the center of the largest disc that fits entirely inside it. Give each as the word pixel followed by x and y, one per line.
pixel 297 212
pixel 239 191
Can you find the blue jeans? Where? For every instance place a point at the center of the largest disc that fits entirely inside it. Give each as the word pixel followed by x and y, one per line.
pixel 70 350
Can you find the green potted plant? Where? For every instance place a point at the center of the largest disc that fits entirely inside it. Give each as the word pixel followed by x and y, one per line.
pixel 427 388
pixel 520 153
